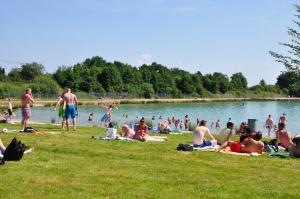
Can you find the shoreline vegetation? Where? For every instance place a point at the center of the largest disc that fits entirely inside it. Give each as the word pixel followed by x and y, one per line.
pixel 50 102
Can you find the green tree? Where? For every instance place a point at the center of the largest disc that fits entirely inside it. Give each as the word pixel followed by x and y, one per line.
pixel 111 80
pixel 292 60
pixel 262 82
pixel 147 90
pixel 45 85
pixel 31 70
pixel 15 75
pixel 238 82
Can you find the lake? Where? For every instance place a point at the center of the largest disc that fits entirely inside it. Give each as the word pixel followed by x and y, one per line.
pixel 210 111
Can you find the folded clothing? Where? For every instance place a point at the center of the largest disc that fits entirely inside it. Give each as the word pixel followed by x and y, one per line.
pixel 280 154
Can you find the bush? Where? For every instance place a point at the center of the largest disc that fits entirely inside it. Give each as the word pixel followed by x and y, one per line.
pixel 147 90
pixel 45 85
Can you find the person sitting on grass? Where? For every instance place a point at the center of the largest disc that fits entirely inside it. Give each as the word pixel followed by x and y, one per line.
pixel 225 134
pixel 141 131
pixel 127 132
pixel 248 144
pixel 164 127
pixel 284 138
pixel 295 148
pixel 199 134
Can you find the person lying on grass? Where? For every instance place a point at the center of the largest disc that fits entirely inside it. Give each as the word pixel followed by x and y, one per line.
pixel 247 144
pixel 127 132
pixel 141 131
pixel 199 134
pixel 226 134
pixel 284 138
pixel 295 148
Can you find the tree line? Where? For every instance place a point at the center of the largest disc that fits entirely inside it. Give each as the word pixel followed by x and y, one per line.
pixel 99 76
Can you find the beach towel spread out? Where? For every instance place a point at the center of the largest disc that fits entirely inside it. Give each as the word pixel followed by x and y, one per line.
pixel 280 154
pixel 5 130
pixel 240 154
pixel 149 138
pixel 203 148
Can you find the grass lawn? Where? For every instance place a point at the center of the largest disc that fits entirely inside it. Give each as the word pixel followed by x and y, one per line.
pixel 71 165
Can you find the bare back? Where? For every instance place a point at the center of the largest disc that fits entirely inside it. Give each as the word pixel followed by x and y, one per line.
pixel 26 99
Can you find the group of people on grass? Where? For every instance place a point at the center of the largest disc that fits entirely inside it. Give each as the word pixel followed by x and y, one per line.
pixel 249 142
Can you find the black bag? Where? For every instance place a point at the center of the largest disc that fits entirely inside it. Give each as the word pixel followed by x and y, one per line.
pixel 2 162
pixel 185 147
pixel 14 151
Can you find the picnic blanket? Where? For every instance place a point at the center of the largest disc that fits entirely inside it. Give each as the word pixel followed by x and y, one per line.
pixel 280 154
pixel 240 154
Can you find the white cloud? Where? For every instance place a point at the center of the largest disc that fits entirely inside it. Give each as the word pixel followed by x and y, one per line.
pixel 144 59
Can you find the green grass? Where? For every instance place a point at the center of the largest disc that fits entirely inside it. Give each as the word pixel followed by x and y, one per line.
pixel 69 165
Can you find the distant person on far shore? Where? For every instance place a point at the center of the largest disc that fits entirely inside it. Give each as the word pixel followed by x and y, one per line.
pixel 283 118
pixel 269 125
pixel 181 125
pixel 212 124
pixel 26 100
pixel 71 108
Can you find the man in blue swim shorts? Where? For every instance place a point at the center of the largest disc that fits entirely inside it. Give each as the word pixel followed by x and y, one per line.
pixel 71 102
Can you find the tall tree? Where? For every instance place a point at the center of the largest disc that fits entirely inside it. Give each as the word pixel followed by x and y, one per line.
pixel 31 70
pixel 292 60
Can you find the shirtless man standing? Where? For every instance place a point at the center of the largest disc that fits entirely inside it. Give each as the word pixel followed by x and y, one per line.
pixel 71 107
pixel 269 125
pixel 25 110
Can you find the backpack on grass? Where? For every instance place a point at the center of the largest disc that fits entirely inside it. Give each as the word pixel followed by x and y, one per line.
pixel 185 147
pixel 14 151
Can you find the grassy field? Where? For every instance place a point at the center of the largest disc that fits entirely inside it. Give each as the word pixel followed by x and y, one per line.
pixel 69 165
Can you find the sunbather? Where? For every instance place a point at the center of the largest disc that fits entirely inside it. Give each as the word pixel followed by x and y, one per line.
pixel 199 134
pixel 127 132
pixel 142 131
pixel 164 127
pixel 295 148
pixel 284 138
pixel 225 134
pixel 248 145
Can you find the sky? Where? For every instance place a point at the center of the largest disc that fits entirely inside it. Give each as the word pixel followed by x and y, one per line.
pixel 209 36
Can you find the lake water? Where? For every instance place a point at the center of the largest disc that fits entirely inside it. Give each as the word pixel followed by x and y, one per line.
pixel 210 111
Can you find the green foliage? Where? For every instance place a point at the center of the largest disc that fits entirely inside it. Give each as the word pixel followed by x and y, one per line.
pixel 15 75
pixel 238 82
pixel 45 85
pixel 30 71
pixel 147 90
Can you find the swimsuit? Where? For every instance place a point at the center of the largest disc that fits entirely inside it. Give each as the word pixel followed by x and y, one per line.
pixel 61 112
pixel 70 110
pixel 204 144
pixel 236 147
pixel 26 112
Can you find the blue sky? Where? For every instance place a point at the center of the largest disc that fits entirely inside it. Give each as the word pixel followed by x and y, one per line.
pixel 225 36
